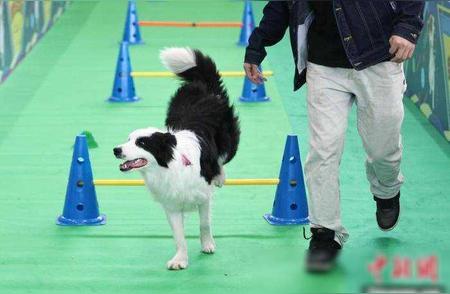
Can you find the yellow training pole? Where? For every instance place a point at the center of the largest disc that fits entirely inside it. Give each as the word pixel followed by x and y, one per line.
pixel 228 182
pixel 167 74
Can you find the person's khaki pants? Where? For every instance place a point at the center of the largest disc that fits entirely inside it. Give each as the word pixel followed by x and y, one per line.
pixel 378 93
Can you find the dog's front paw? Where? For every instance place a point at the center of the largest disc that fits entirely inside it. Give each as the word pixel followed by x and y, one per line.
pixel 208 247
pixel 177 263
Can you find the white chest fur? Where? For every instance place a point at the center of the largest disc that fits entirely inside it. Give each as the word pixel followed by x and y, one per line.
pixel 180 186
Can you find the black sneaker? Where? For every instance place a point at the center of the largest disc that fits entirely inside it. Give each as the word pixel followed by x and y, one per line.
pixel 323 250
pixel 388 211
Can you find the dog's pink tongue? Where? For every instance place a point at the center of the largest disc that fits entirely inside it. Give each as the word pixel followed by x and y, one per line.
pixel 130 164
pixel 140 162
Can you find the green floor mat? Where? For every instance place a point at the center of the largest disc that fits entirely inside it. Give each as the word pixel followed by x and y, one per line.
pixel 60 90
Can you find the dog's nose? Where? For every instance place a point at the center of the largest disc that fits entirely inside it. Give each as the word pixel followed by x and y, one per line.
pixel 117 152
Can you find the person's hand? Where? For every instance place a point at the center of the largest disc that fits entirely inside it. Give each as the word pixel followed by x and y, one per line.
pixel 253 73
pixel 401 48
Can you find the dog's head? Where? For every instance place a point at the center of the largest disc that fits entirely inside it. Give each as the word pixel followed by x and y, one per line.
pixel 146 148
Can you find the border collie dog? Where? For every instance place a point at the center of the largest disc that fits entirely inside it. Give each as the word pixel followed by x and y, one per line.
pixel 183 163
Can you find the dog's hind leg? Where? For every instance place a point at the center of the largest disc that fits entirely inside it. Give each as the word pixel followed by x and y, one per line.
pixel 206 238
pixel 176 221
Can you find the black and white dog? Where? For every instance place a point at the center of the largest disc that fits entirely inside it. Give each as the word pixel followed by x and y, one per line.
pixel 182 164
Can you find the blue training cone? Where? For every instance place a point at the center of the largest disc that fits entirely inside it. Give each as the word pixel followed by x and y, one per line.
pixel 123 88
pixel 248 24
pixel 81 207
pixel 132 31
pixel 252 92
pixel 290 206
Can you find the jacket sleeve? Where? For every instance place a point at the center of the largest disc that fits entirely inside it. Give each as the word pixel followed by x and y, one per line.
pixel 270 31
pixel 410 20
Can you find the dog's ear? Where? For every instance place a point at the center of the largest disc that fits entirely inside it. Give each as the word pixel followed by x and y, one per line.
pixel 160 145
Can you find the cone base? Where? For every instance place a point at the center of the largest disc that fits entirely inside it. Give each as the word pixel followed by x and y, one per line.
pixel 276 221
pixel 122 99
pixel 62 221
pixel 251 99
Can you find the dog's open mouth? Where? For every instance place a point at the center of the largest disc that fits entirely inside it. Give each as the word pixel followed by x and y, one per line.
pixel 133 164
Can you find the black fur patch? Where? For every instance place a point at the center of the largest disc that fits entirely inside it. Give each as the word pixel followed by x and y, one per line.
pixel 160 145
pixel 202 106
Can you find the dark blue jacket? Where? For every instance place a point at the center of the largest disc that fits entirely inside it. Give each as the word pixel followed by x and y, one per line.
pixel 365 27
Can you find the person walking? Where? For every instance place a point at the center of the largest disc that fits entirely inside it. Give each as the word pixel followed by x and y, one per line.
pixel 348 52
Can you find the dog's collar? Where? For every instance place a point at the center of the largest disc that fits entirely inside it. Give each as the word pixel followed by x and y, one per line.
pixel 185 160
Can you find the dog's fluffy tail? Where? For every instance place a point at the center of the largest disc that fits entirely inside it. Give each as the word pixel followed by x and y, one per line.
pixel 193 66
pixel 201 105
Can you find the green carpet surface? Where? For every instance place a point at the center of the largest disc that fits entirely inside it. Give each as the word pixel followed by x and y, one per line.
pixel 60 90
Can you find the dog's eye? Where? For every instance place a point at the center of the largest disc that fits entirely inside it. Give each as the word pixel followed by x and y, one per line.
pixel 140 143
